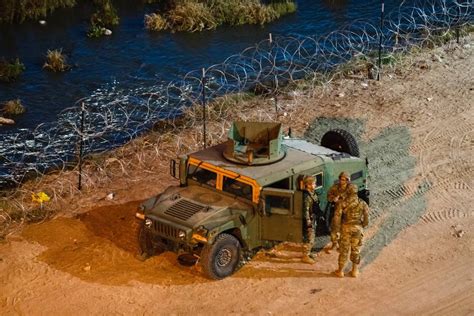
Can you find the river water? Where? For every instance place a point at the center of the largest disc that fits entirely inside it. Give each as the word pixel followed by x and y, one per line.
pixel 132 56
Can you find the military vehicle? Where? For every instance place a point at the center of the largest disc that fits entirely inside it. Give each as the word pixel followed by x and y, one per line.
pixel 244 194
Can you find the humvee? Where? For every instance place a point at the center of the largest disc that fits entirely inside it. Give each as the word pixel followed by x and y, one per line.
pixel 244 194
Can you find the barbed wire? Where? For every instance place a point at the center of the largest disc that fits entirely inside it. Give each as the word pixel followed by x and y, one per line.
pixel 115 115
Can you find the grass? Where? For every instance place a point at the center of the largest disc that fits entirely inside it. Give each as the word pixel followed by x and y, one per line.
pixel 12 11
pixel 10 70
pixel 105 17
pixel 56 61
pixel 154 22
pixel 194 15
pixel 13 107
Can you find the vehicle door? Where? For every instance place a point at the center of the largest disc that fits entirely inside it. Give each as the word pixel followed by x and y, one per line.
pixel 281 219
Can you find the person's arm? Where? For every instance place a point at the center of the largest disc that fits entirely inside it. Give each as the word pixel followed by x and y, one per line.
pixel 336 220
pixel 307 210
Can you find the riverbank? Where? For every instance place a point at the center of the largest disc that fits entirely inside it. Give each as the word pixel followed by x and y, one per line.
pixel 415 127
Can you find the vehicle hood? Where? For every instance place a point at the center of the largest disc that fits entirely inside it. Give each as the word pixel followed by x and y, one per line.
pixel 194 205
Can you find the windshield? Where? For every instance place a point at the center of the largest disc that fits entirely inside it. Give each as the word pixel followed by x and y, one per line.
pixel 203 176
pixel 238 188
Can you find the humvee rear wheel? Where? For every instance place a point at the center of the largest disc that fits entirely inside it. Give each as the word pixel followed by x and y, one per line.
pixel 147 248
pixel 342 141
pixel 221 258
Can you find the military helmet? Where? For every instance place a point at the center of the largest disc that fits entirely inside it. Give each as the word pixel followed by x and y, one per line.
pixel 344 175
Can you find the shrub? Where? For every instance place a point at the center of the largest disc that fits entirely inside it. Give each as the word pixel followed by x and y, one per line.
pixel 10 71
pixel 191 16
pixel 154 22
pixel 56 61
pixel 18 11
pixel 13 107
pixel 106 15
pixel 96 31
pixel 195 15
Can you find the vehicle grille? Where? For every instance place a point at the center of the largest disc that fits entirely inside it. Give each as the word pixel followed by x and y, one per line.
pixel 165 230
pixel 184 209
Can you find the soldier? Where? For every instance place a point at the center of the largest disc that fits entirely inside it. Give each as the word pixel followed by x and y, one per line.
pixel 310 198
pixel 351 216
pixel 337 193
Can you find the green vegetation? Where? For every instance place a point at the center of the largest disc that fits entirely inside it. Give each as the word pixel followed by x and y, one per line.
pixel 195 15
pixel 20 10
pixel 56 61
pixel 105 17
pixel 13 107
pixel 10 70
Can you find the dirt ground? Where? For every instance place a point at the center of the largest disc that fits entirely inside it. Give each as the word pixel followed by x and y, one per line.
pixel 416 128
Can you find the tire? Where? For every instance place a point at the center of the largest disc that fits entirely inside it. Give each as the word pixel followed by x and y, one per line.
pixel 342 141
pixel 221 258
pixel 145 242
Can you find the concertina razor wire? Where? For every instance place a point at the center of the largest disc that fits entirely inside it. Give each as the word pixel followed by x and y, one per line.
pixel 113 116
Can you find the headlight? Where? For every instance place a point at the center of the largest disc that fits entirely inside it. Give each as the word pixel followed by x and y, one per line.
pixel 148 222
pixel 200 234
pixel 181 234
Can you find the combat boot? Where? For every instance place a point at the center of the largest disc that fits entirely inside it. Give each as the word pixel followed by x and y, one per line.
pixel 339 272
pixel 355 270
pixel 307 259
pixel 332 246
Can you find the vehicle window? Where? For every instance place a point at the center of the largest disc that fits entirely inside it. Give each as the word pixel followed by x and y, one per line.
pixel 319 179
pixel 236 187
pixel 277 204
pixel 201 175
pixel 356 175
pixel 282 184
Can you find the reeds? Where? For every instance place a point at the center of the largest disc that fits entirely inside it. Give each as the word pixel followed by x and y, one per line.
pixel 56 61
pixel 18 11
pixel 13 107
pixel 10 70
pixel 194 15
pixel 105 17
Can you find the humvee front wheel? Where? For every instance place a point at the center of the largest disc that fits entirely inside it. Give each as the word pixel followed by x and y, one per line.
pixel 342 141
pixel 221 258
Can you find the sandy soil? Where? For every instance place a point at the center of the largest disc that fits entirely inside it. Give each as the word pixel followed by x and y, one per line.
pixel 416 128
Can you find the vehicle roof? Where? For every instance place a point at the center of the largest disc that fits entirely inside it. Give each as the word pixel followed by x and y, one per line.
pixel 300 155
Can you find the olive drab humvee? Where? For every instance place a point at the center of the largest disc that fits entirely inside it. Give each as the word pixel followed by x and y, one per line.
pixel 244 194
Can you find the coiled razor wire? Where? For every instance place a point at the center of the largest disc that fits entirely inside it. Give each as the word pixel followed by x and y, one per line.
pixel 116 115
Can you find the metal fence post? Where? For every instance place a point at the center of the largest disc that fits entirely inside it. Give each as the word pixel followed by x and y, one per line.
pixel 275 97
pixel 81 147
pixel 203 82
pixel 380 41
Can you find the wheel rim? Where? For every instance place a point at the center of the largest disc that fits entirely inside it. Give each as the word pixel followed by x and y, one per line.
pixel 224 257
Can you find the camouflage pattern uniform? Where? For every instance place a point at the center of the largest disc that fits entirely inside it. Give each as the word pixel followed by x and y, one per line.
pixel 337 193
pixel 350 218
pixel 309 224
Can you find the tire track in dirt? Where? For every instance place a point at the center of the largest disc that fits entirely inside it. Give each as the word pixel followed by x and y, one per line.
pixel 410 289
pixel 445 215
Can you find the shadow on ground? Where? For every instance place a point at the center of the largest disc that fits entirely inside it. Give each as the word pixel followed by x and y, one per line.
pixel 394 204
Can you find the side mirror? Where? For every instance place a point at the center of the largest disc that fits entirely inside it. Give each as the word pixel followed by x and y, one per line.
pixel 173 169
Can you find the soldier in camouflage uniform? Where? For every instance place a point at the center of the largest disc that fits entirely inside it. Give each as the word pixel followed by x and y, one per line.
pixel 351 216
pixel 310 199
pixel 336 194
